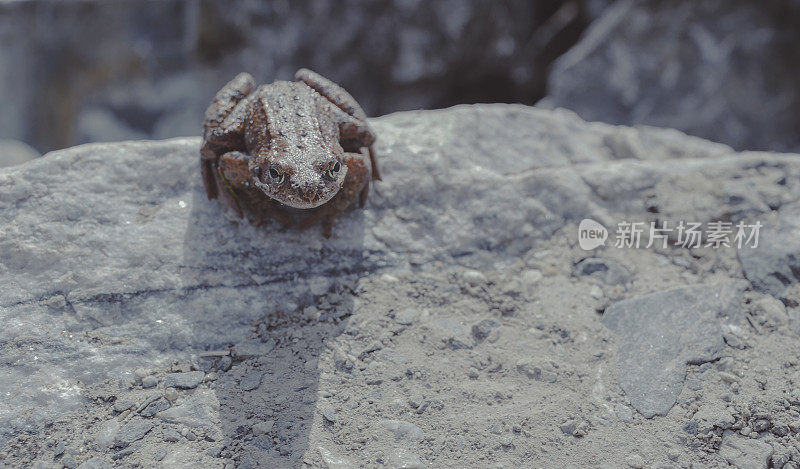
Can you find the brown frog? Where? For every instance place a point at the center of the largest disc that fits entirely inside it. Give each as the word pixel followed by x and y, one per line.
pixel 287 148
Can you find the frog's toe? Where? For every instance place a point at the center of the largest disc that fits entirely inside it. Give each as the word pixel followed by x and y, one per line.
pixel 327 227
pixel 362 196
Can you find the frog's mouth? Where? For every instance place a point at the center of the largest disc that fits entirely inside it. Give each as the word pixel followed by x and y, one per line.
pixel 303 198
pixel 308 199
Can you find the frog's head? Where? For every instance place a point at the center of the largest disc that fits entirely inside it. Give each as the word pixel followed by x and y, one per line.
pixel 302 179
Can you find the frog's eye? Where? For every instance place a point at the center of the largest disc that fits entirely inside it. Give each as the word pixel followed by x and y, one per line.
pixel 277 174
pixel 334 168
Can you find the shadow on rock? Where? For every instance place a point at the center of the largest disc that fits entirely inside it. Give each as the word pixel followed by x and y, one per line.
pixel 287 292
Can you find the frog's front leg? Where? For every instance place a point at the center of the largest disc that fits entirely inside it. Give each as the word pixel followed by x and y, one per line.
pixel 356 185
pixel 223 128
pixel 231 174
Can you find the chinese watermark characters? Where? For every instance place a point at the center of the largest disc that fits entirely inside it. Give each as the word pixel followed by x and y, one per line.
pixel 690 235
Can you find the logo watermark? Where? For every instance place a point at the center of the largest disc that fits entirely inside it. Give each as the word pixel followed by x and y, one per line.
pixel 591 234
pixel 690 235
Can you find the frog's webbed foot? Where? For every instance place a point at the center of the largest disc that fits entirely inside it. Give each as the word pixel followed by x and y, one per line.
pixel 354 132
pixel 223 128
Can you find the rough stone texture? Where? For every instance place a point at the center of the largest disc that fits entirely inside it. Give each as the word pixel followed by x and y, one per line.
pixel 721 70
pixel 185 380
pixel 774 266
pixel 745 453
pixel 133 431
pixel 115 268
pixel 660 333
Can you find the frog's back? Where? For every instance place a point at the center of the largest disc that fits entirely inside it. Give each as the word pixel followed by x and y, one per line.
pixel 290 103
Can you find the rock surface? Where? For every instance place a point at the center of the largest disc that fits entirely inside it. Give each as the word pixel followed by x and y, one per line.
pixel 721 70
pixel 745 453
pixel 660 333
pixel 455 319
pixel 774 266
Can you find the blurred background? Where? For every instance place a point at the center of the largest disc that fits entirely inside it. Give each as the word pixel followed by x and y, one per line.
pixel 77 71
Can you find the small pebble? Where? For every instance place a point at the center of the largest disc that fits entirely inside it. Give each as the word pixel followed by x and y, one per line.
pixel 673 454
pixel 329 415
pixel 473 372
pixel 745 431
pixel 761 424
pixel 149 381
pixel 185 380
pixel 415 400
pixel 389 278
pixel 251 380
pixel 406 316
pixel 263 428
pixel 59 448
pixel 224 363
pixel 635 461
pixel 170 435
pixel 170 394
pixel 473 277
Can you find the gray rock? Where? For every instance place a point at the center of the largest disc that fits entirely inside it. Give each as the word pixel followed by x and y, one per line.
pixel 538 370
pixel 160 273
pixel 329 415
pixel 170 435
pixel 406 459
pixel 132 431
pixel 262 428
pixel 604 270
pixel 126 402
pixel 149 382
pixel 481 330
pixel 717 70
pixel 659 333
pixel 155 407
pixel 96 463
pixel 624 413
pixel 334 461
pixel 160 454
pixel 195 411
pixel 252 380
pixel 108 432
pixel 406 317
pixel 635 461
pixel 402 431
pixel 713 415
pixel 745 453
pixel 252 348
pixel 185 380
pixel 452 332
pixel 569 426
pixel 775 264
